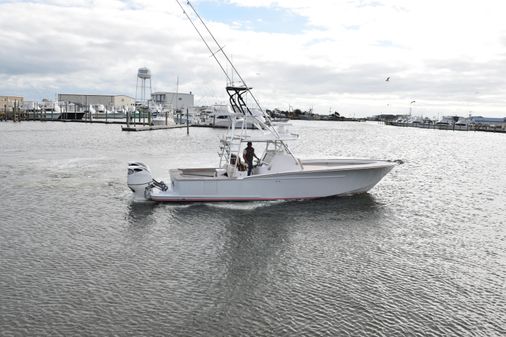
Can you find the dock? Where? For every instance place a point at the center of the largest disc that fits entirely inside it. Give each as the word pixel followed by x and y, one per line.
pixel 126 126
pixel 450 127
pixel 151 127
pixel 85 121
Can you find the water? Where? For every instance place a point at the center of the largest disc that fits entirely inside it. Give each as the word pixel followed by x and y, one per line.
pixel 422 254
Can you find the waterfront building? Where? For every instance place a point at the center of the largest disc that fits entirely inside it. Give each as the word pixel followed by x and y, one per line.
pixel 110 102
pixel 177 101
pixel 7 103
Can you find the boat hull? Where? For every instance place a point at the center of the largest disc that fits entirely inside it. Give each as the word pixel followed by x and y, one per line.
pixel 318 179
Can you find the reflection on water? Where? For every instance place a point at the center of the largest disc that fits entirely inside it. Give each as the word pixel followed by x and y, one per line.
pixel 140 214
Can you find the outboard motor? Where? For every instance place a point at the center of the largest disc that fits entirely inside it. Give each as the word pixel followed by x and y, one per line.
pixel 139 177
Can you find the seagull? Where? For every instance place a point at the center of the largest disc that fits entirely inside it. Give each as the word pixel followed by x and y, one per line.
pixel 412 102
pixel 388 79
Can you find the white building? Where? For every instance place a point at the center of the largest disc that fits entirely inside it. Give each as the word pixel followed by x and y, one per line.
pixel 177 101
pixel 108 101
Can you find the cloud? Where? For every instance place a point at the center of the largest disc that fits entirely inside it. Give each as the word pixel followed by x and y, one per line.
pixel 448 56
pixel 254 17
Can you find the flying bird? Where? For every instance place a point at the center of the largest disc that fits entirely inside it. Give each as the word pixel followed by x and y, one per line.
pixel 388 79
pixel 412 102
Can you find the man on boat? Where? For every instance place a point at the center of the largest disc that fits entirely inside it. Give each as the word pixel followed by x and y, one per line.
pixel 248 155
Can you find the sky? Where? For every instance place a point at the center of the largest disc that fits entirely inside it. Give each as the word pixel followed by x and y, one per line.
pixel 442 57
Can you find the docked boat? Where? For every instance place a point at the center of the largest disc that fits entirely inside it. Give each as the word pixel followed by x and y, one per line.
pixel 277 175
pixel 30 107
pixel 165 117
pixel 217 115
pixel 222 116
pixel 447 121
pixel 50 110
pixel 462 122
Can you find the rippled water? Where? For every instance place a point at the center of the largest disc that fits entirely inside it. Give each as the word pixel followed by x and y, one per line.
pixel 422 254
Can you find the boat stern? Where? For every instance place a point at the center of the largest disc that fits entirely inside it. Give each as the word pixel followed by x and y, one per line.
pixel 138 179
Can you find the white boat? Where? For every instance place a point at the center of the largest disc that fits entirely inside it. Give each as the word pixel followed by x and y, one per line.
pixel 415 120
pixel 217 115
pixel 462 121
pixel 50 109
pixel 165 117
pixel 447 120
pixel 279 175
pixel 30 106
pixel 222 116
pixel 117 113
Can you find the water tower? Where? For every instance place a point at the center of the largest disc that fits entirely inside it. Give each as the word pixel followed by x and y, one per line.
pixel 144 75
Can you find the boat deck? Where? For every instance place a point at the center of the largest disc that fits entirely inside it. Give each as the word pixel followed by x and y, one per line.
pixel 195 173
pixel 321 165
pixel 308 166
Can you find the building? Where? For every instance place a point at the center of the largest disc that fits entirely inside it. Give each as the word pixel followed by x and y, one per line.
pixel 109 101
pixel 173 100
pixel 8 103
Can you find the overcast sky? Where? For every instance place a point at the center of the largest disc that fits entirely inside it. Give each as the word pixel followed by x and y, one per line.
pixel 449 56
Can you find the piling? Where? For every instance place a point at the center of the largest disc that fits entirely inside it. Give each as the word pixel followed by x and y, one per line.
pixel 187 123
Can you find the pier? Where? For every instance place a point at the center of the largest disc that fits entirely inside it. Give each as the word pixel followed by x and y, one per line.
pixel 151 127
pixel 450 127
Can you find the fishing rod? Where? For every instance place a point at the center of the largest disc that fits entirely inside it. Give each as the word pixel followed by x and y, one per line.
pixel 225 55
pixel 220 50
pixel 202 38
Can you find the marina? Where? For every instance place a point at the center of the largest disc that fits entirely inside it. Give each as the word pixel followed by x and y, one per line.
pixel 220 116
